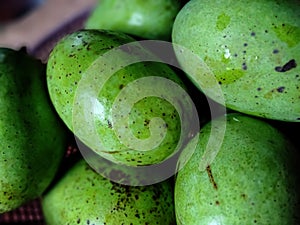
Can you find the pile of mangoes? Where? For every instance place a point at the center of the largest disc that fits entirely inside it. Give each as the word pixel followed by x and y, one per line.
pixel 215 94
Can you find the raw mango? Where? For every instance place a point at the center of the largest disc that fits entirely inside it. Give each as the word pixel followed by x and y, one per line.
pixel 149 19
pixel 82 196
pixel 76 58
pixel 32 137
pixel 253 179
pixel 251 48
pixel 68 61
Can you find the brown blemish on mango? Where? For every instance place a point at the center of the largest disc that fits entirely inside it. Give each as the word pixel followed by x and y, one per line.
pixel 211 177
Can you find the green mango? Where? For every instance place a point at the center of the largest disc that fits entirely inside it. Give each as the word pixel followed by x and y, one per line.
pixel 82 196
pixel 145 19
pixel 68 61
pixel 142 89
pixel 32 137
pixel 253 178
pixel 251 48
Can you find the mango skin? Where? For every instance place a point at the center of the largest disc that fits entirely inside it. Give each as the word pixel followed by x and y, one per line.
pixel 144 19
pixel 32 137
pixel 254 178
pixel 69 61
pixel 247 47
pixel 84 197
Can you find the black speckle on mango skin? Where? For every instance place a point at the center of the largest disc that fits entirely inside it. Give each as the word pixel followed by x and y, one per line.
pixel 286 67
pixel 244 66
pixel 280 89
